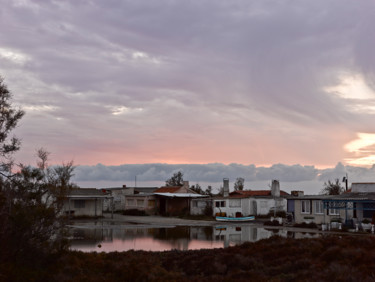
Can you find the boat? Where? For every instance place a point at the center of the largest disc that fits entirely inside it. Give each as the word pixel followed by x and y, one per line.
pixel 235 219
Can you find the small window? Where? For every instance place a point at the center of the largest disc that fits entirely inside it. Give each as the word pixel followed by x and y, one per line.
pixel 334 212
pixel 151 203
pixel 220 204
pixel 140 203
pixel 130 202
pixel 79 204
pixel 318 207
pixel 305 206
pixel 195 204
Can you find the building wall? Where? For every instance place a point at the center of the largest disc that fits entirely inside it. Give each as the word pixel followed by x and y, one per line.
pixel 198 206
pixel 176 206
pixel 249 206
pixel 264 205
pixel 314 215
pixel 84 207
pixel 147 203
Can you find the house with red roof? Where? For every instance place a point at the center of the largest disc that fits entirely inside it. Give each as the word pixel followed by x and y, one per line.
pixel 166 200
pixel 175 200
pixel 251 202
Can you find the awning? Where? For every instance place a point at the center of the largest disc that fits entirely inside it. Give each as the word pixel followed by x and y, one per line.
pixel 181 195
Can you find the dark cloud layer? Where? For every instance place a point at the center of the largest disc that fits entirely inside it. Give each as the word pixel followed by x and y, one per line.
pixel 295 175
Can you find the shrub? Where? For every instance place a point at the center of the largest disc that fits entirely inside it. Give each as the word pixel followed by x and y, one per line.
pixel 305 225
pixel 134 212
pixel 278 214
pixel 272 223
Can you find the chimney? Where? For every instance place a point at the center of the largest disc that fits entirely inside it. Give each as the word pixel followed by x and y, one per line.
pixel 186 184
pixel 297 193
pixel 275 188
pixel 124 186
pixel 226 187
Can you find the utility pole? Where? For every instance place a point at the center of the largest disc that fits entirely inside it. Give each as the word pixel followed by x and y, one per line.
pixel 345 179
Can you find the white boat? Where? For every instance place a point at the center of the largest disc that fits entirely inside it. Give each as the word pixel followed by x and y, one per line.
pixel 235 219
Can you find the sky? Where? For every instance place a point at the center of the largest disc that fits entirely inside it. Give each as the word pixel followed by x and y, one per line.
pixel 262 89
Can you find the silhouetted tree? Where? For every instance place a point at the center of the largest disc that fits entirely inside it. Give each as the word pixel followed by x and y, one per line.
pixel 332 188
pixel 30 199
pixel 239 184
pixel 197 188
pixel 176 180
pixel 208 191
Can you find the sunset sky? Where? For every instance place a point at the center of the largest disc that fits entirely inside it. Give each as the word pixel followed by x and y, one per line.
pixel 259 89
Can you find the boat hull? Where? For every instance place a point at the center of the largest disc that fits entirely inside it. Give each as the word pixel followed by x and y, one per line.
pixel 235 219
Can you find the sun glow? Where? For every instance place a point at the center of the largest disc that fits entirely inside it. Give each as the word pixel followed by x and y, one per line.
pixel 352 87
pixel 363 150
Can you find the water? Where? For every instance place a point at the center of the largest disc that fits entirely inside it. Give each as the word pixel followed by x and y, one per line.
pixel 110 238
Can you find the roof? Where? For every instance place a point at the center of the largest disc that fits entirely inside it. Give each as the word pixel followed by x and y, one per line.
pixel 352 196
pixel 310 197
pixel 181 195
pixel 168 189
pixel 256 193
pixel 89 193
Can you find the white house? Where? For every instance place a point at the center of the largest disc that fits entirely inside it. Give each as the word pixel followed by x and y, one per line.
pixel 250 202
pixel 85 202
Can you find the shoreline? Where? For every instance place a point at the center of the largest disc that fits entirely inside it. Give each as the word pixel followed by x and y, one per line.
pixel 129 222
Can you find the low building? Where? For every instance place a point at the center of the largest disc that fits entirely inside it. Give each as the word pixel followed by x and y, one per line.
pixel 120 194
pixel 86 202
pixel 251 202
pixel 310 208
pixel 351 207
pixel 175 200
pixel 142 202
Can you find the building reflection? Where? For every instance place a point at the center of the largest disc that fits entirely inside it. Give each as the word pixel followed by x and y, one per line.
pixel 121 238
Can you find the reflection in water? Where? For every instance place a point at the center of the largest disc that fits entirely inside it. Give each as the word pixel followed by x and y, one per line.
pixel 114 238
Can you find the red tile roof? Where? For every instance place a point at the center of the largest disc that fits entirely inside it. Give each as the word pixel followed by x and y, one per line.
pixel 168 189
pixel 253 193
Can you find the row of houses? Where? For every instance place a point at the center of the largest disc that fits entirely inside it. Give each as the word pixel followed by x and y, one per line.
pixel 355 205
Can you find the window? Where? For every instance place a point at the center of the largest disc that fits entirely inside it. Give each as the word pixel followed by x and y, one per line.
pixel 195 204
pixel 305 206
pixel 235 203
pixel 319 207
pixel 334 212
pixel 220 204
pixel 130 202
pixel 151 203
pixel 79 204
pixel 140 203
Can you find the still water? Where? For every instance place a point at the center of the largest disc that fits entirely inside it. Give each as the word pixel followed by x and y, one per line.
pixel 123 238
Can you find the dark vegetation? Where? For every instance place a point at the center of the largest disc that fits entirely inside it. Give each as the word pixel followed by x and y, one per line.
pixel 272 223
pixel 349 258
pixel 31 198
pixel 306 225
pixel 134 212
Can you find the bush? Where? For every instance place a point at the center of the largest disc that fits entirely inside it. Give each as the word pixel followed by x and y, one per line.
pixel 278 214
pixel 134 212
pixel 272 223
pixel 305 225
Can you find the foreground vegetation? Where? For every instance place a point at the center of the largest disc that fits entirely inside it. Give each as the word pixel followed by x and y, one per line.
pixel 350 258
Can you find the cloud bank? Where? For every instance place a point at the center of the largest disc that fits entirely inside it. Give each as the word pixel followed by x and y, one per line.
pixel 291 177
